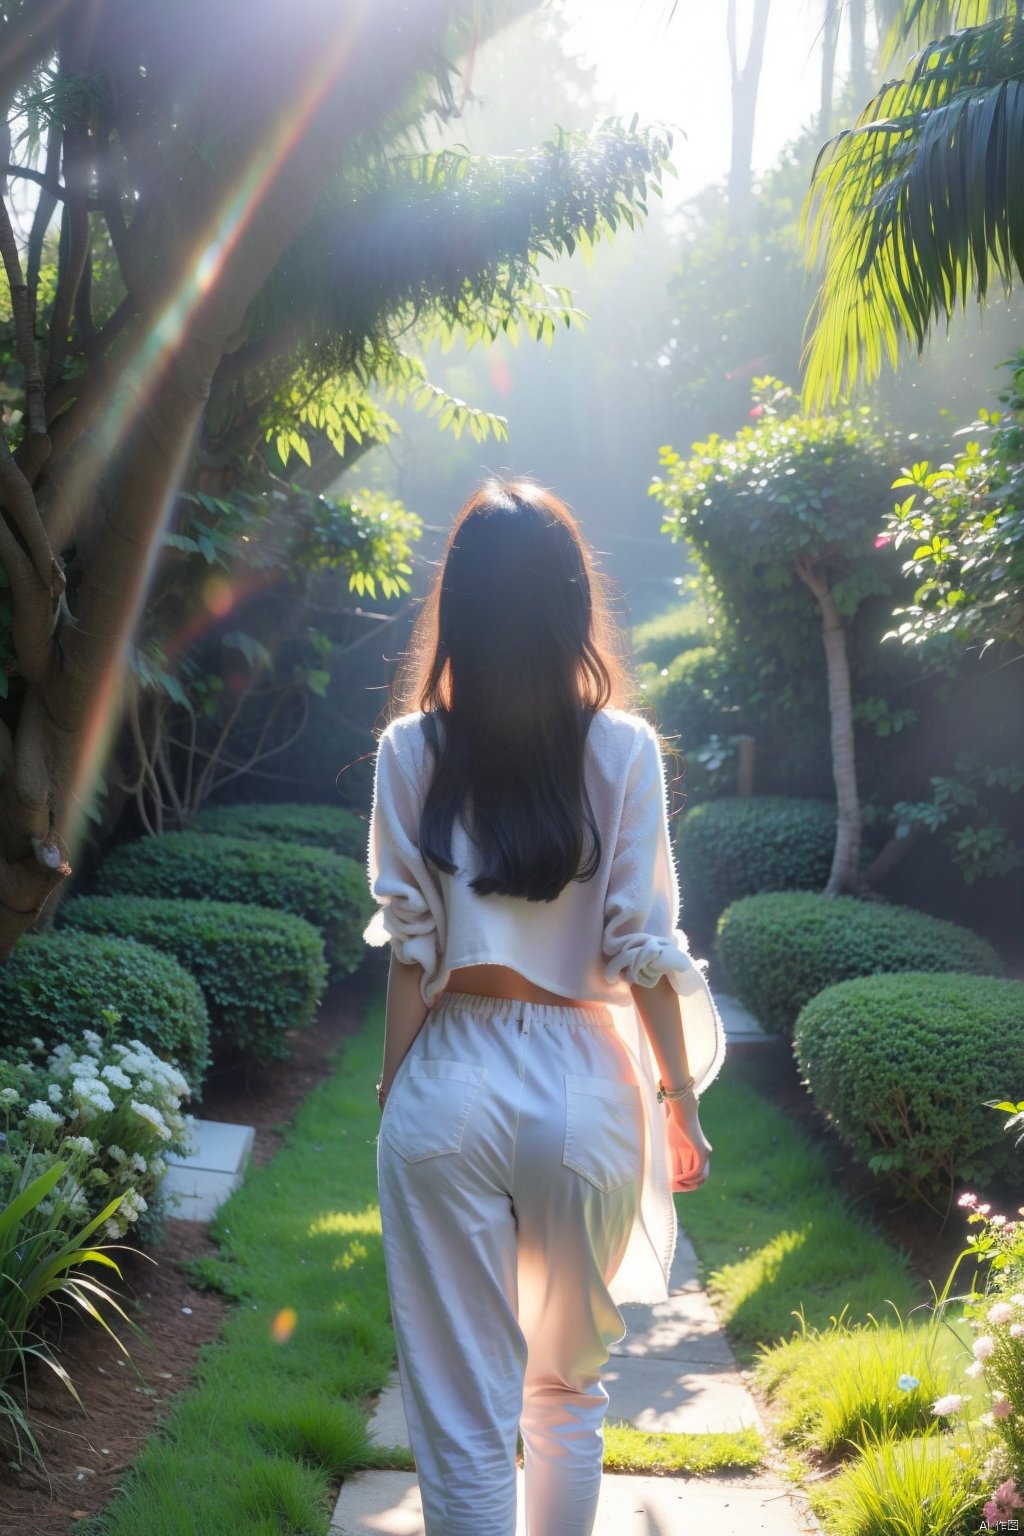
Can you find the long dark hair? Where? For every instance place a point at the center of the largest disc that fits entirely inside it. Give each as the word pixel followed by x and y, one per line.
pixel 513 652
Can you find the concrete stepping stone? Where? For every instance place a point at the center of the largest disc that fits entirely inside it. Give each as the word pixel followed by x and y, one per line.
pixel 737 1021
pixel 196 1185
pixel 388 1504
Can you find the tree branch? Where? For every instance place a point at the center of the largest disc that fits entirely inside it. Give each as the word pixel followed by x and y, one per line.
pixel 37 443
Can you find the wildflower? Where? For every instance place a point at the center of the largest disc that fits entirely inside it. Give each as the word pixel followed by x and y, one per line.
pixel 35 1044
pixel 883 538
pixel 951 1403
pixel 983 1347
pixel 90 1093
pixel 968 1199
pixel 977 1369
pixel 1002 1312
pixel 907 1383
pixel 117 1153
pixel 9 1095
pixel 153 1116
pixel 984 1209
pixel 1016 1329
pixel 44 1114
pixel 113 1074
pixel 1001 1407
pixel 997 1220
pixel 1003 1502
pixel 138 1162
pixel 81 1144
pixel 54 1093
pixel 1018 1300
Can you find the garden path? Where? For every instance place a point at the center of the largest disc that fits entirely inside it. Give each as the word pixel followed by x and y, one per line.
pixel 673 1371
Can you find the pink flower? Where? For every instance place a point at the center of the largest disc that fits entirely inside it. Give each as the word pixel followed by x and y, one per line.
pixel 977 1369
pixel 1016 1329
pixel 984 1209
pixel 1001 1407
pixel 884 538
pixel 1004 1500
pixel 983 1347
pixel 951 1403
pixel 756 411
pixel 1002 1312
pixel 968 1199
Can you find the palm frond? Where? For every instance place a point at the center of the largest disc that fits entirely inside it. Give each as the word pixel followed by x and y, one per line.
pixel 917 206
pixel 918 22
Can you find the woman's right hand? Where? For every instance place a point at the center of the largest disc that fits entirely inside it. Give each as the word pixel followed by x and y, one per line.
pixel 689 1149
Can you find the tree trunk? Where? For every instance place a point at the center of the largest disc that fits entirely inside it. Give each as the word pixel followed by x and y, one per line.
pixel 829 44
pixel 746 80
pixel 844 877
pixel 860 74
pixel 114 484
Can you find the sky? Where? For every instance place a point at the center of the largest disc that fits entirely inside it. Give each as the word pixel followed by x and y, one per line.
pixel 677 71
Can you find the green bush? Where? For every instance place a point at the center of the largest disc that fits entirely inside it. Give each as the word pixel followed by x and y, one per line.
pixel 54 985
pixel 901 1066
pixel 683 627
pixel 317 826
pixel 686 697
pixel 261 972
pixel 733 847
pixel 782 948
pixel 325 888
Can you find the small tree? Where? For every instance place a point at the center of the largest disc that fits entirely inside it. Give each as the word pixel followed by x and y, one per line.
pixel 788 508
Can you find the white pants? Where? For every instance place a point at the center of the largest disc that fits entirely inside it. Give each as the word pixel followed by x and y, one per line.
pixel 509 1161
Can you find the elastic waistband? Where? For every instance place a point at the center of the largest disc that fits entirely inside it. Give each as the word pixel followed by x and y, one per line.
pixel 596 1017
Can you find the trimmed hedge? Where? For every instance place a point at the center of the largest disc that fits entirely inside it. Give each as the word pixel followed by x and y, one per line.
pixel 732 847
pixel 683 627
pixel 687 697
pixel 55 984
pixel 261 972
pixel 316 826
pixel 782 948
pixel 325 888
pixel 902 1066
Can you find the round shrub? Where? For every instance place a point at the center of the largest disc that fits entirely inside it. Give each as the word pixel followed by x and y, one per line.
pixel 686 696
pixel 55 985
pixel 683 627
pixel 781 948
pixel 317 826
pixel 325 888
pixel 734 847
pixel 261 972
pixel 902 1065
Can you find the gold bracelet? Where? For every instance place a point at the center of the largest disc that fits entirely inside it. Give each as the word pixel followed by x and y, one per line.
pixel 675 1093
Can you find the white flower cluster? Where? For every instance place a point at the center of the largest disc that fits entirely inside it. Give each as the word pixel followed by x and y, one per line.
pixel 109 1105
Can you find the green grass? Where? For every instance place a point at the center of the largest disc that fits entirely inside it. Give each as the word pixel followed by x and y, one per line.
pixel 772 1235
pixel 918 1486
pixel 258 1446
pixel 840 1387
pixel 633 1450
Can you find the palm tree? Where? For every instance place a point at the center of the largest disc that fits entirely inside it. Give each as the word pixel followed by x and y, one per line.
pixel 922 201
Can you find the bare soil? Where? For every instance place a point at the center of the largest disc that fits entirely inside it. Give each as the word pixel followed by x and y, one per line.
pixel 87 1449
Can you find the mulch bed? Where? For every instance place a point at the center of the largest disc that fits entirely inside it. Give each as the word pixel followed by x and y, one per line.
pixel 86 1450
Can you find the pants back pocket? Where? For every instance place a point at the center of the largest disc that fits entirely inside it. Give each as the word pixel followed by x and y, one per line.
pixel 604 1130
pixel 428 1106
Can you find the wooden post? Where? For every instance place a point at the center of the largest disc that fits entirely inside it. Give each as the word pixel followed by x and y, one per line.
pixel 745 769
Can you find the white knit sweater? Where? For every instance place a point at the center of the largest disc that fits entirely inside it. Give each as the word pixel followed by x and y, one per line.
pixel 597 940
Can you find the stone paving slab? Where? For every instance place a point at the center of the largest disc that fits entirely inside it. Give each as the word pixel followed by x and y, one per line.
pixel 388 1504
pixel 198 1184
pixel 737 1021
pixel 677 1397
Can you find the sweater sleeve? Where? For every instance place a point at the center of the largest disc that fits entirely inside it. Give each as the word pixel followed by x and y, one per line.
pixel 642 937
pixel 406 893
